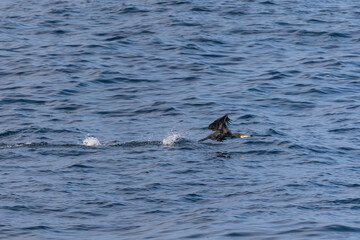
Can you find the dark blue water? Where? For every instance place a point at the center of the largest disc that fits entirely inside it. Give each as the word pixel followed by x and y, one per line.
pixel 102 104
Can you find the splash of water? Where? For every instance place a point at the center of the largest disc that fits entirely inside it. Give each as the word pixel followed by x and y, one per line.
pixel 171 139
pixel 91 141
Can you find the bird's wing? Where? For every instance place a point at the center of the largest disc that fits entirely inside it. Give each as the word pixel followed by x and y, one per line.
pixel 220 123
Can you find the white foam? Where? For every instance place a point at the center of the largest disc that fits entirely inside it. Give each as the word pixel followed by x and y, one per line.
pixel 91 141
pixel 171 139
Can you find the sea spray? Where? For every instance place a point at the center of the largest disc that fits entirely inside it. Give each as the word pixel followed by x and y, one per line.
pixel 91 141
pixel 171 139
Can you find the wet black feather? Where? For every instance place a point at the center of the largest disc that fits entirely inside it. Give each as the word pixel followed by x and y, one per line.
pixel 220 123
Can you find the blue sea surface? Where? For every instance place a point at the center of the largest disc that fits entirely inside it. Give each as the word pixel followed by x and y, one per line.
pixel 102 104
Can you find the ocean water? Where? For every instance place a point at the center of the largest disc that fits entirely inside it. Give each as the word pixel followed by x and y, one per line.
pixel 102 104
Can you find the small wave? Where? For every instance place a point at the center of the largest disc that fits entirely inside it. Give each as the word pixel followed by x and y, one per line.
pixel 340 228
pixel 171 139
pixel 91 141
pixel 79 166
pixel 27 144
pixel 135 144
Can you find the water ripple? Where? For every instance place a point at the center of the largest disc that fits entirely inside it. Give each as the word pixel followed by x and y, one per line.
pixel 102 105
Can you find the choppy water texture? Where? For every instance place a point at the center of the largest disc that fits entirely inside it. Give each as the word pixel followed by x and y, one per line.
pixel 102 104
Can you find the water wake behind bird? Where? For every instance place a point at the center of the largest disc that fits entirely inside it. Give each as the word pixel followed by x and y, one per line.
pixel 91 141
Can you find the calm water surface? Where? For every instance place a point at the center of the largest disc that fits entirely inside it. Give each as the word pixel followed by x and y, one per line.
pixel 102 104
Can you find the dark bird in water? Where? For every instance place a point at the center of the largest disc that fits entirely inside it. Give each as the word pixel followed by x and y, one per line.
pixel 221 131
